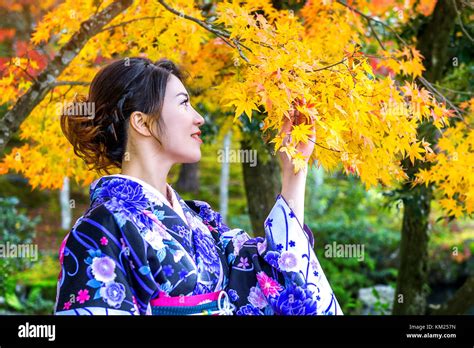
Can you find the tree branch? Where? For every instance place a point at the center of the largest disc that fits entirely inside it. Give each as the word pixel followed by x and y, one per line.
pixel 453 90
pixel 369 18
pixel 461 301
pixel 46 80
pixel 224 35
pixel 331 65
pixel 375 33
pixel 422 80
pixel 430 86
pixel 237 44
pixel 71 83
pixel 461 24
pixel 205 25
pixel 127 22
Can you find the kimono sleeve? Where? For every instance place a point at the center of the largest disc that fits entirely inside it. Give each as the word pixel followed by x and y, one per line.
pixel 279 274
pixel 290 247
pixel 104 269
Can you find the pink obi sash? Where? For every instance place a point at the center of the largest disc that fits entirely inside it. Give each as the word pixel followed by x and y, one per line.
pixel 215 303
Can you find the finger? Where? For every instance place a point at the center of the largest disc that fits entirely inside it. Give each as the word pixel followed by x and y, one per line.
pixel 313 129
pixel 299 118
pixel 287 124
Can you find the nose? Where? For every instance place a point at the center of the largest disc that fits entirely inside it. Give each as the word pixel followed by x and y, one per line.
pixel 199 119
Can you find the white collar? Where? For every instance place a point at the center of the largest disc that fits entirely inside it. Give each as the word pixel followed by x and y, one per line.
pixel 176 205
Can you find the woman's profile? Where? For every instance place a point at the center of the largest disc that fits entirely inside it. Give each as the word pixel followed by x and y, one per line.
pixel 140 249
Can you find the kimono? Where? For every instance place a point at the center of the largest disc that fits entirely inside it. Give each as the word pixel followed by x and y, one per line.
pixel 132 253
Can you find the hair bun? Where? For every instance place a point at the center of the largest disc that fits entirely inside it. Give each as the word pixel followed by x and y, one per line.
pixel 77 124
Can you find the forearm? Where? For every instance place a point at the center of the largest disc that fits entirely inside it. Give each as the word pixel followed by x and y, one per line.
pixel 293 190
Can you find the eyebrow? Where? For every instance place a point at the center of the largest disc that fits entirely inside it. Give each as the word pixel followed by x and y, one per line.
pixel 182 93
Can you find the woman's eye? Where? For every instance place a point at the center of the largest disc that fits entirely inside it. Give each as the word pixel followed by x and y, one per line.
pixel 185 102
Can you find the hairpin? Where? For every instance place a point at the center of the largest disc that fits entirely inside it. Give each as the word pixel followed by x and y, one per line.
pixel 111 128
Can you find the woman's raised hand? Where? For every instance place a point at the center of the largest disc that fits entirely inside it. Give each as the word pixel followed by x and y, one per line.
pixel 301 123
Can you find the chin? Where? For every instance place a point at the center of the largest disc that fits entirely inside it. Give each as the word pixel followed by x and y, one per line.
pixel 192 158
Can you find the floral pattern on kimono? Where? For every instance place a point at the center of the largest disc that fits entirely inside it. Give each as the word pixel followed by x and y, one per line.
pixel 130 247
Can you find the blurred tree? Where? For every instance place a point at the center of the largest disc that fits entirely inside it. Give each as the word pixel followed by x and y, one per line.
pixel 447 169
pixel 188 180
pixel 433 40
pixel 261 177
pixel 412 285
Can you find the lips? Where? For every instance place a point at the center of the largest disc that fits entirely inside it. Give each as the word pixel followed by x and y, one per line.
pixel 196 137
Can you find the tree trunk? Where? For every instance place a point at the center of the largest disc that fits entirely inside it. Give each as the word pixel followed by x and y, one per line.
pixel 434 39
pixel 262 185
pixel 188 180
pixel 412 282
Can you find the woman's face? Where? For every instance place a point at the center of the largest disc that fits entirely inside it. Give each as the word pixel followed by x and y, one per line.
pixel 181 139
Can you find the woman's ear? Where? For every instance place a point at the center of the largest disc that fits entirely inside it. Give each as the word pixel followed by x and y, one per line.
pixel 140 122
pixel 143 124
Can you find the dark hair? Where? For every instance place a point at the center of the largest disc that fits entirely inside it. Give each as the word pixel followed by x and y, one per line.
pixel 97 126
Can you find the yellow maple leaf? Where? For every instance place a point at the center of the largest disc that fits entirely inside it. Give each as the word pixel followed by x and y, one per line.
pixel 278 140
pixel 245 106
pixel 424 176
pixel 289 150
pixel 301 132
pixel 448 204
pixel 299 162
pixel 415 152
pixel 41 34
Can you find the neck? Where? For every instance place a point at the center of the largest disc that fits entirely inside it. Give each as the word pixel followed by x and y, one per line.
pixel 154 172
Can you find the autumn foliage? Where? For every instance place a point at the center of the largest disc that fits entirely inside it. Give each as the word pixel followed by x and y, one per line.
pixel 246 57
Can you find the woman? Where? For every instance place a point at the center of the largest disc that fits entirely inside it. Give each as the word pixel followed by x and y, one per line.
pixel 141 249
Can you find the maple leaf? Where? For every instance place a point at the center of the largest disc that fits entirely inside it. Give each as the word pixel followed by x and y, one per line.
pixel 426 146
pixel 278 140
pixel 424 176
pixel 299 162
pixel 289 150
pixel 412 67
pixel 301 132
pixel 41 34
pixel 414 152
pixel 245 106
pixel 449 204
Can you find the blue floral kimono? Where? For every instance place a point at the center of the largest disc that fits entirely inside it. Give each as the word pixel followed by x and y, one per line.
pixel 131 249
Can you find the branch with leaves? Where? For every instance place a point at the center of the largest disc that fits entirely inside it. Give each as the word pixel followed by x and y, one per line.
pixel 46 80
pixel 422 80
pixel 244 58
pixel 224 35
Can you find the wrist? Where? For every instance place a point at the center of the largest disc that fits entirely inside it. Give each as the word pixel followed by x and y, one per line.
pixel 293 190
pixel 289 175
